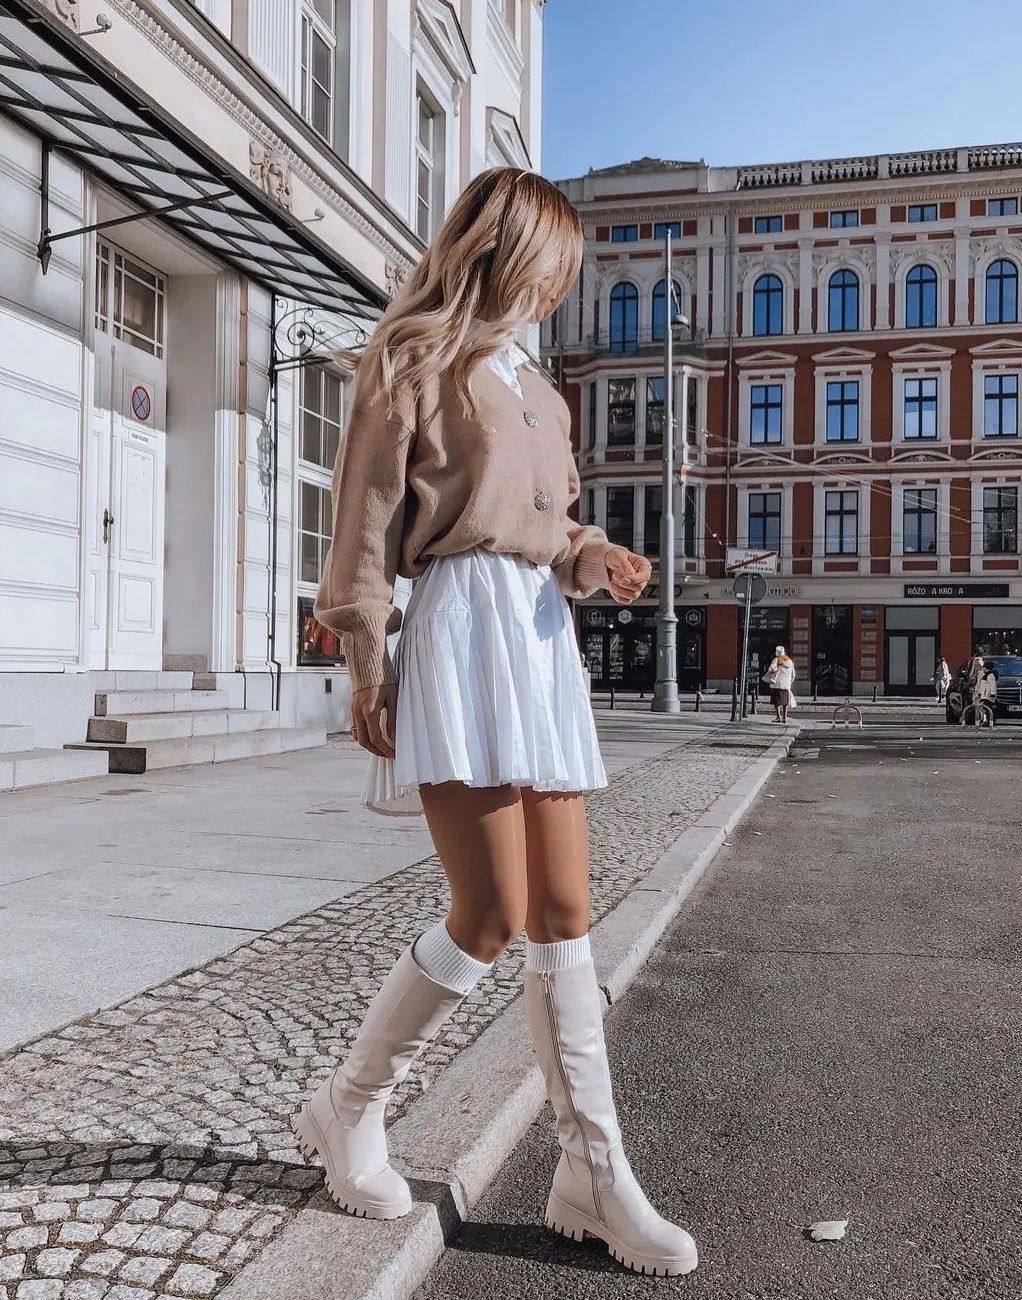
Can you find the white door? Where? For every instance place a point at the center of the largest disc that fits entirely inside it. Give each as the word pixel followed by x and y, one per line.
pixel 127 455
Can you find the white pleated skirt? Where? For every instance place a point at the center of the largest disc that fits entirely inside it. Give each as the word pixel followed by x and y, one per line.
pixel 490 687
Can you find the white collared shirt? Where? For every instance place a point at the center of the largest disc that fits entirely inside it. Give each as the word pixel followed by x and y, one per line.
pixel 505 363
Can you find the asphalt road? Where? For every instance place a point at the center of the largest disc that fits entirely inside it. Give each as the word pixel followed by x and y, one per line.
pixel 830 1030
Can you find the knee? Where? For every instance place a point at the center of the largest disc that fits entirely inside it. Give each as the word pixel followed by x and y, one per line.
pixel 555 922
pixel 486 936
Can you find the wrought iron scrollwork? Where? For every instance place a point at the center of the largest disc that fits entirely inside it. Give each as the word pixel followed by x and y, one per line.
pixel 305 335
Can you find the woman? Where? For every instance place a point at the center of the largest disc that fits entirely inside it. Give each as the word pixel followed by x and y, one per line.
pixel 780 677
pixel 942 679
pixel 457 469
pixel 985 694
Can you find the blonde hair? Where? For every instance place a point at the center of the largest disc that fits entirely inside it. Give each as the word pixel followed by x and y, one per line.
pixel 511 240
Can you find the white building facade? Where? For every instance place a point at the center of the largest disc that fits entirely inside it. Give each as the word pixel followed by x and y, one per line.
pixel 169 409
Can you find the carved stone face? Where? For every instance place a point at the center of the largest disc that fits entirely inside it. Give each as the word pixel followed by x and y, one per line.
pixel 65 9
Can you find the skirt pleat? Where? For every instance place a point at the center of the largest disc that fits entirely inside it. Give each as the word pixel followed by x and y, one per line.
pixel 490 688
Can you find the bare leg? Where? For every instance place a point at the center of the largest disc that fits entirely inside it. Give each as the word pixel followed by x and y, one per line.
pixel 480 837
pixel 557 857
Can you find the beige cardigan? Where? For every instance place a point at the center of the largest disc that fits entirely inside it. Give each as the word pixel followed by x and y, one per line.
pixel 427 481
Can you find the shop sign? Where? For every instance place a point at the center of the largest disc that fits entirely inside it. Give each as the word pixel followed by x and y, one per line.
pixel 956 591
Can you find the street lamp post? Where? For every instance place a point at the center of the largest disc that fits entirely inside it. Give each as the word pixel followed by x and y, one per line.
pixel 665 691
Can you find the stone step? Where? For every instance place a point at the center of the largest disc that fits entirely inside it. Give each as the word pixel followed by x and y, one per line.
pixel 183 751
pixel 133 679
pixel 136 728
pixel 14 738
pixel 24 768
pixel 114 704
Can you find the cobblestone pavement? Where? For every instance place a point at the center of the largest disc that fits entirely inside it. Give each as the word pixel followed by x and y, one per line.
pixel 145 1150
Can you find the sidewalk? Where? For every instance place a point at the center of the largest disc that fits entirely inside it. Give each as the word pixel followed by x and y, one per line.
pixel 144 1150
pixel 829 1031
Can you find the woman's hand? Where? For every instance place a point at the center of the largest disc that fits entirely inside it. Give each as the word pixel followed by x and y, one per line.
pixel 373 710
pixel 629 574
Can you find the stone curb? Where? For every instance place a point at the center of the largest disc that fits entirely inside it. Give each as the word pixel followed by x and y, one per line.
pixel 482 1105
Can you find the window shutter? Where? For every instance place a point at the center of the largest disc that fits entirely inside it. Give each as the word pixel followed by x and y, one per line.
pixel 271 28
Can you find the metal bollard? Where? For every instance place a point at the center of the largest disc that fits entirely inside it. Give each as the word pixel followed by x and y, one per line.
pixel 699 700
pixel 734 699
pixel 874 694
pixel 753 696
pixel 612 695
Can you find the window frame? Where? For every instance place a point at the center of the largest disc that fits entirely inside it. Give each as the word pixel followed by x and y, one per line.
pixel 659 295
pixel 690 549
pixel 842 404
pixel 772 294
pixel 920 402
pixel 1001 399
pixel 996 278
pixel 920 280
pixel 912 508
pixel 614 441
pixel 844 214
pixel 841 513
pixel 619 234
pixel 919 213
pixel 652 406
pixel 660 229
pixel 849 301
pixel 651 543
pixel 768 225
pixel 766 405
pixel 1001 210
pixel 613 535
pixel 313 26
pixel 999 514
pixel 766 517
pixel 623 295
pixel 431 155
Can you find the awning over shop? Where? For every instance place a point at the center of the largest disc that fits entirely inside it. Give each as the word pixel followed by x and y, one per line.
pixel 57 86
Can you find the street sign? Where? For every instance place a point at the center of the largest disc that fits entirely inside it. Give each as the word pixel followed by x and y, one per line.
pixel 749 588
pixel 743 560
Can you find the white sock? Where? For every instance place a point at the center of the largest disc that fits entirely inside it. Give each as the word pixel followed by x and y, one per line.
pixel 438 956
pixel 547 957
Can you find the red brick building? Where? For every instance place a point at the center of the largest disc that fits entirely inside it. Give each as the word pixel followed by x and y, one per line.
pixel 852 401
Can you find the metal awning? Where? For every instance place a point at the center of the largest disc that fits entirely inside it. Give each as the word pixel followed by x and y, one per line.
pixel 58 87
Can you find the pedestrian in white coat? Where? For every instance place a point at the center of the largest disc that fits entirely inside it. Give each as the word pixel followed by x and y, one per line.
pixel 780 677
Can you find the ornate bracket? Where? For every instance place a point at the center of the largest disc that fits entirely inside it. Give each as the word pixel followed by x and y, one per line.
pixel 306 335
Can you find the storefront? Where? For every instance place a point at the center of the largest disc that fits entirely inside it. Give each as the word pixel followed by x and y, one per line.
pixel 997 629
pixel 619 646
pixel 910 648
pixel 832 650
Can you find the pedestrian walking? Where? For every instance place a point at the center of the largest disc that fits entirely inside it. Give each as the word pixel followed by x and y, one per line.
pixel 456 469
pixel 780 677
pixel 941 679
pixel 984 698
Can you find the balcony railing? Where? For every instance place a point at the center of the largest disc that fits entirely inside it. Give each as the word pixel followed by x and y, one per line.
pixel 924 162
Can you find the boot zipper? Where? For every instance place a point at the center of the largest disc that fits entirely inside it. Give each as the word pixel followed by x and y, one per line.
pixel 555 1040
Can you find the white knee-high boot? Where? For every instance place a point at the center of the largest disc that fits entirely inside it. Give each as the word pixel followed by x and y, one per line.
pixel 342 1122
pixel 594 1190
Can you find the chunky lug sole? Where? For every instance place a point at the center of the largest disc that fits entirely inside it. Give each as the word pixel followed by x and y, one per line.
pixel 313 1145
pixel 569 1222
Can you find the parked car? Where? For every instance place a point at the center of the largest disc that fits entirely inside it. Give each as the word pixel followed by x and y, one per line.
pixel 1007 670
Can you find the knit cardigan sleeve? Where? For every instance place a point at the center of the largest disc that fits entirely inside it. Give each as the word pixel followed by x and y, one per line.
pixel 581 569
pixel 356 594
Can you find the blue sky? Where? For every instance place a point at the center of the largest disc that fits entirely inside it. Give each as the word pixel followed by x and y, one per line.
pixel 742 81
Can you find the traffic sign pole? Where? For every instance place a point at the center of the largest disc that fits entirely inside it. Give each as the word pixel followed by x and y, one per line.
pixel 745 646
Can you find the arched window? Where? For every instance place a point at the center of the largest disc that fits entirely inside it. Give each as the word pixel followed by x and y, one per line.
pixel 660 308
pixel 1002 293
pixel 624 317
pixel 843 302
pixel 921 297
pixel 768 305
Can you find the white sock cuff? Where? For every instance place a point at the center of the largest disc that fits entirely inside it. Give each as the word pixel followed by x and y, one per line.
pixel 547 957
pixel 438 956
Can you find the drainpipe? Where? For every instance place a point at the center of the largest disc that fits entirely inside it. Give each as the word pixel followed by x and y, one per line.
pixel 271 653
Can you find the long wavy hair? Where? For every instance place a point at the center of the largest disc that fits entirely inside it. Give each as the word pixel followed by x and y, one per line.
pixel 510 242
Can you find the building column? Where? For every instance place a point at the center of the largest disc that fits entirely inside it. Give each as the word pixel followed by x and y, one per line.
pixel 961 306
pixel 719 291
pixel 883 315
pixel 805 286
pixel 702 320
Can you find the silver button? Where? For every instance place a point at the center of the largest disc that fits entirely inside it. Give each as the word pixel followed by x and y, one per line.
pixel 530 418
pixel 542 500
